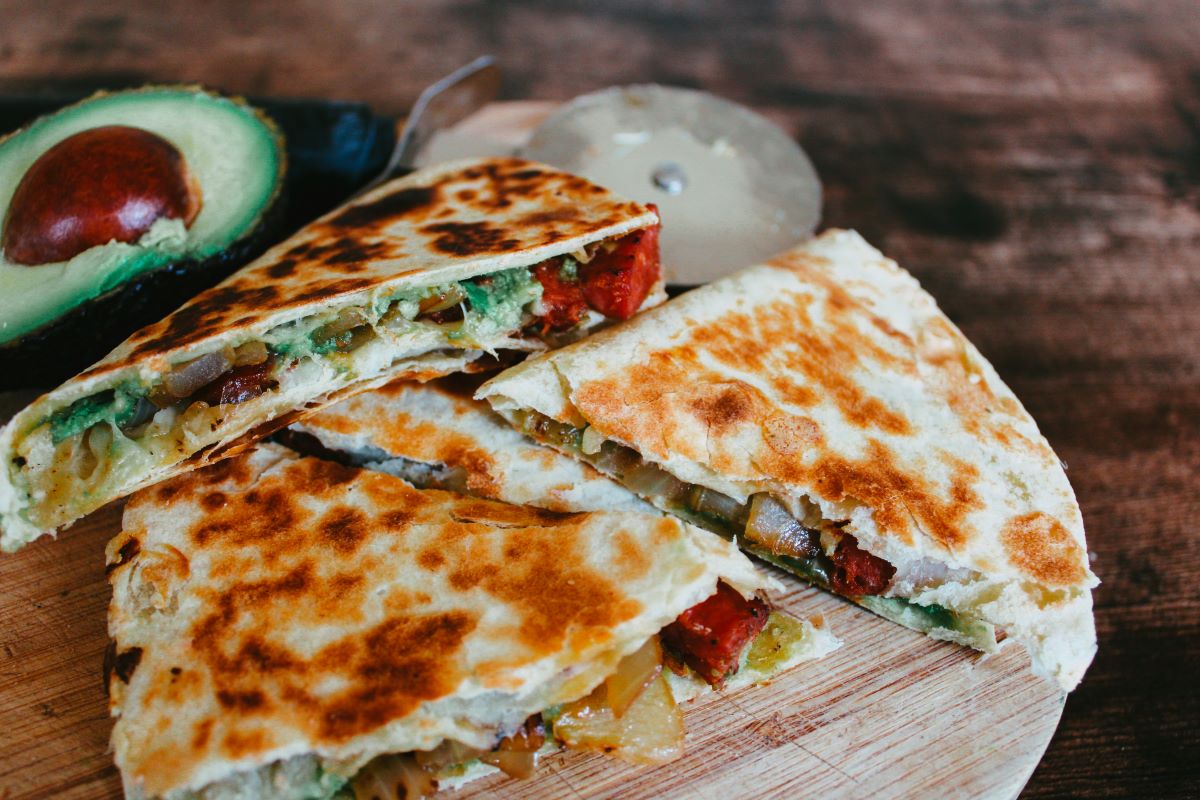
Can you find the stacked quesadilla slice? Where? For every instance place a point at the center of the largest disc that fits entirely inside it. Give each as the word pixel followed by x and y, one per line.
pixel 287 626
pixel 436 435
pixel 822 410
pixel 421 277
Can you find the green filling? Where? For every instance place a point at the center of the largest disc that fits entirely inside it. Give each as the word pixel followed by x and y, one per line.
pixel 777 644
pixel 325 345
pixel 499 303
pixel 569 270
pixel 117 405
pixel 812 570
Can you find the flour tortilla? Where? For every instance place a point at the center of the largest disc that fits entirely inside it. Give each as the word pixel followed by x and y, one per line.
pixel 434 227
pixel 289 613
pixel 436 435
pixel 829 379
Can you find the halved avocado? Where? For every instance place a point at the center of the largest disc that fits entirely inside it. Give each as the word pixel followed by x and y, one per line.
pixel 58 317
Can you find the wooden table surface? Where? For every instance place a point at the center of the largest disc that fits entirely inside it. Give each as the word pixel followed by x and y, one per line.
pixel 1035 164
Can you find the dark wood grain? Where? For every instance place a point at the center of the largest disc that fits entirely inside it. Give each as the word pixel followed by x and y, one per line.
pixel 1035 164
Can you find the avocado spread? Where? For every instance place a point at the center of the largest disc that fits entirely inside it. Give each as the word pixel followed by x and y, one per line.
pixel 118 405
pixel 490 305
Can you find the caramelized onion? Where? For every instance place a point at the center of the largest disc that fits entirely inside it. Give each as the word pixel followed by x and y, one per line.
pixel 440 302
pixel 772 526
pixel 348 319
pixel 514 763
pixel 529 738
pixel 447 754
pixel 591 441
pixel 393 777
pixel 250 353
pixel 649 732
pixel 616 459
pixel 187 378
pixel 715 504
pixel 633 675
pixel 649 480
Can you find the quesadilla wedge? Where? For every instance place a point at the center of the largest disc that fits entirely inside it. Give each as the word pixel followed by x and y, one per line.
pixel 821 409
pixel 436 435
pixel 286 627
pixel 421 277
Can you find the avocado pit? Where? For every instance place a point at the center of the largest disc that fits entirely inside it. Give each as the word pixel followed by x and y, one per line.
pixel 110 183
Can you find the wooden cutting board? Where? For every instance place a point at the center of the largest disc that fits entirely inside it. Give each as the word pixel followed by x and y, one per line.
pixel 890 714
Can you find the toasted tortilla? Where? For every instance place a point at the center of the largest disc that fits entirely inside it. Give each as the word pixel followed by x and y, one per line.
pixel 278 621
pixel 436 435
pixel 830 380
pixel 431 229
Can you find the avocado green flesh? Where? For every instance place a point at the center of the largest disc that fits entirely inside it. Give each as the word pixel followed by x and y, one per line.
pixel 926 619
pixel 235 157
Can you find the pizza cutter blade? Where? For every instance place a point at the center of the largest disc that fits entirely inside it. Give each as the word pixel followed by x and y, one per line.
pixel 732 188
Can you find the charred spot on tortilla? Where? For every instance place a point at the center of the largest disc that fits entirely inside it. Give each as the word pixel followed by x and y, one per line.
pixel 128 551
pixel 344 529
pixel 470 238
pixel 725 405
pixel 125 662
pixel 244 701
pixel 214 500
pixel 206 316
pixel 401 664
pixel 273 510
pixel 283 268
pixel 386 209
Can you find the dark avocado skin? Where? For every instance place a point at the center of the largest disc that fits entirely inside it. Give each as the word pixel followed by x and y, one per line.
pixel 331 150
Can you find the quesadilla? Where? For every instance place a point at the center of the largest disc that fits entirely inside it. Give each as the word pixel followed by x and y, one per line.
pixel 285 626
pixel 436 435
pixel 823 410
pixel 421 277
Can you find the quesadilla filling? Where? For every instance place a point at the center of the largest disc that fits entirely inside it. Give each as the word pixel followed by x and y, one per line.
pixel 816 549
pixel 633 715
pixel 77 457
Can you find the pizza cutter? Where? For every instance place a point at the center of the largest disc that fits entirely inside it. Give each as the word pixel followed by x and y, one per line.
pixel 732 188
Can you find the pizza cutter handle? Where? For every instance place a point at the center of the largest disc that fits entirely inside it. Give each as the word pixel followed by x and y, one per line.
pixel 441 105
